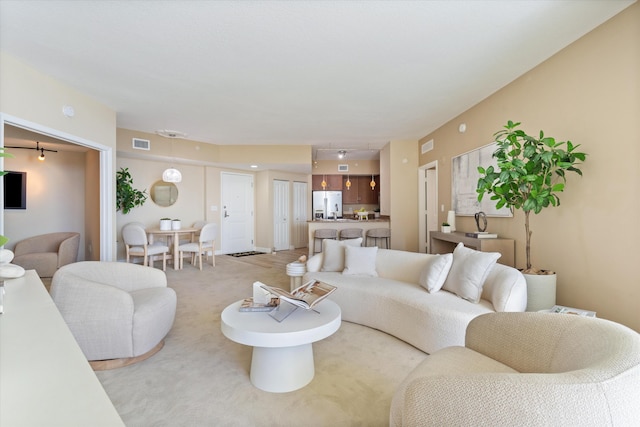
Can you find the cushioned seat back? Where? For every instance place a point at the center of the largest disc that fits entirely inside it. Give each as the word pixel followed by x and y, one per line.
pixel 134 235
pixel 556 343
pixel 400 265
pixel 209 233
pixel 43 243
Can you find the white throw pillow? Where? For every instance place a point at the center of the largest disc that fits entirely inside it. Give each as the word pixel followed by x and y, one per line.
pixel 333 253
pixel 360 260
pixel 468 272
pixel 435 272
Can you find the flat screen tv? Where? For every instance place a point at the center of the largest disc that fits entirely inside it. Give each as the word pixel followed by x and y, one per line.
pixel 15 190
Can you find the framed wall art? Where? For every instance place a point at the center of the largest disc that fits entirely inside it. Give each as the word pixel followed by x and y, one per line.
pixel 464 181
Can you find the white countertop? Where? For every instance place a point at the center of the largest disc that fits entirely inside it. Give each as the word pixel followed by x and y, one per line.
pixel 45 379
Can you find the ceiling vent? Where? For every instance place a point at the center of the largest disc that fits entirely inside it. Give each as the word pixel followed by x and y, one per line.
pixel 141 144
pixel 171 133
pixel 427 146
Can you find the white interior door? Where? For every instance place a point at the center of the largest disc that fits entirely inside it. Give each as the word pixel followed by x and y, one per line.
pixel 237 213
pixel 300 235
pixel 281 222
pixel 427 204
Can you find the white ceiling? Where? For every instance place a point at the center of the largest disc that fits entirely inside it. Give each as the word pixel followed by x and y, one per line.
pixel 332 74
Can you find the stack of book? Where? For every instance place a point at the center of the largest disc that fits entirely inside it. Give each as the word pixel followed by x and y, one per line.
pixel 481 235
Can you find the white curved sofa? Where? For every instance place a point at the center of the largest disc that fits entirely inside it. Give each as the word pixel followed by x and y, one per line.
pixel 394 302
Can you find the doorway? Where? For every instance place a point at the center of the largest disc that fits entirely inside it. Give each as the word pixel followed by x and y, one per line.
pixel 281 223
pixel 427 204
pixel 300 234
pixel 104 240
pixel 237 213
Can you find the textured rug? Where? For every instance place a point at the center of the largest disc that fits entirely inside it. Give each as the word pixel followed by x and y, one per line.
pixel 241 254
pixel 200 378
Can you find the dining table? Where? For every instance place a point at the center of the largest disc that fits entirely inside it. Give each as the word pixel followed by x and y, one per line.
pixel 173 240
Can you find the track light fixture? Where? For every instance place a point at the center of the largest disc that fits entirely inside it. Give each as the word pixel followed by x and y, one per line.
pixel 37 148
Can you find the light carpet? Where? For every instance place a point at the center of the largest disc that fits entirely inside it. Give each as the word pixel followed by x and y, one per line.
pixel 201 378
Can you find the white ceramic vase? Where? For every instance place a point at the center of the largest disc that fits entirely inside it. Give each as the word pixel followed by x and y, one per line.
pixel 541 291
pixel 451 220
pixel 176 224
pixel 165 224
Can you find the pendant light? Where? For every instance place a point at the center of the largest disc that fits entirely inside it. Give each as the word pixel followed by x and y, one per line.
pixel 372 183
pixel 172 174
pixel 323 183
pixel 348 183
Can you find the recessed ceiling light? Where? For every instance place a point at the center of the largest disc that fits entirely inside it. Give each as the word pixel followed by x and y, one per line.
pixel 254 166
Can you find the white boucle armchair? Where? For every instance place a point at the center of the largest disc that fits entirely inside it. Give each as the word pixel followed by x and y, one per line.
pixel 527 369
pixel 119 313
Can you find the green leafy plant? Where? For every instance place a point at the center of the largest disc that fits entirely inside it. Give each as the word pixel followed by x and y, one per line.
pixel 531 172
pixel 4 239
pixel 445 224
pixel 127 197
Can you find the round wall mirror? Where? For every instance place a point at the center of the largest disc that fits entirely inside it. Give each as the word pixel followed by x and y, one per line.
pixel 164 193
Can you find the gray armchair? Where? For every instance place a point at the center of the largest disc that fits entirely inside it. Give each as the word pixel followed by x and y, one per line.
pixel 47 252
pixel 119 313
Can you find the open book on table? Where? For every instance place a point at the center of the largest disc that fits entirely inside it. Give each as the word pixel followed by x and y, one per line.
pixel 306 296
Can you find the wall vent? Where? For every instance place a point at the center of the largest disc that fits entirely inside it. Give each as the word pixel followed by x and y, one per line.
pixel 343 168
pixel 427 146
pixel 141 144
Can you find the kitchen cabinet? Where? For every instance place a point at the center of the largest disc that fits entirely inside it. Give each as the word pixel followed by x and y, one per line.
pixel 360 192
pixel 334 182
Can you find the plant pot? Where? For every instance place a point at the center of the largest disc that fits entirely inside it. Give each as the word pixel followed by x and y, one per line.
pixel 541 291
pixel 165 224
pixel 175 224
pixel 445 229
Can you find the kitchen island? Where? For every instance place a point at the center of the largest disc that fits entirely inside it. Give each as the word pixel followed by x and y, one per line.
pixel 341 224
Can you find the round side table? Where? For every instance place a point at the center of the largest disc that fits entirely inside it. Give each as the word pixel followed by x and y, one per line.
pixel 295 271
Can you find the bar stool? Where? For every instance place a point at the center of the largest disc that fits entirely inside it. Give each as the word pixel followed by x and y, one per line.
pixel 323 233
pixel 350 233
pixel 379 233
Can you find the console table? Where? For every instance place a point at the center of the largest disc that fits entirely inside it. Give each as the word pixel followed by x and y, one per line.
pixel 45 380
pixel 446 242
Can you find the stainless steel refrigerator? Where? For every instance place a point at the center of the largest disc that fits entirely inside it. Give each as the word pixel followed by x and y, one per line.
pixel 326 203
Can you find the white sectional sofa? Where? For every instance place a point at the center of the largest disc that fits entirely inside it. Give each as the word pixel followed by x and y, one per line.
pixel 380 288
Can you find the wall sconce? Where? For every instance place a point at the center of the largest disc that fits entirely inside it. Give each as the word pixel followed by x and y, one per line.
pixel 372 183
pixel 37 148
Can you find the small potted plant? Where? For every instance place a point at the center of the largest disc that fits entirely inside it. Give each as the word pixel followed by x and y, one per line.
pixel 127 197
pixel 165 224
pixel 446 228
pixel 176 224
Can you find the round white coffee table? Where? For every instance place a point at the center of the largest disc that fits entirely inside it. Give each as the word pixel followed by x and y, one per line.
pixel 282 357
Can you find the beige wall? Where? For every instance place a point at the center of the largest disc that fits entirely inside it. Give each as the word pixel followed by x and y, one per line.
pixel 588 93
pixel 31 96
pixel 356 167
pixel 403 191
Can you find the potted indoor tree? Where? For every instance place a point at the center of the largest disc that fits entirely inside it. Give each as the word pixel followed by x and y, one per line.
pixel 531 173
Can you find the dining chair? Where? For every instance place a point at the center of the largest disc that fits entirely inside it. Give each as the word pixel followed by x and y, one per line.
pixel 206 242
pixel 136 243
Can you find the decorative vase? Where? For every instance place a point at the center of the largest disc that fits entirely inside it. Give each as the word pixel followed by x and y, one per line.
pixel 541 291
pixel 165 224
pixel 8 270
pixel 451 219
pixel 175 224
